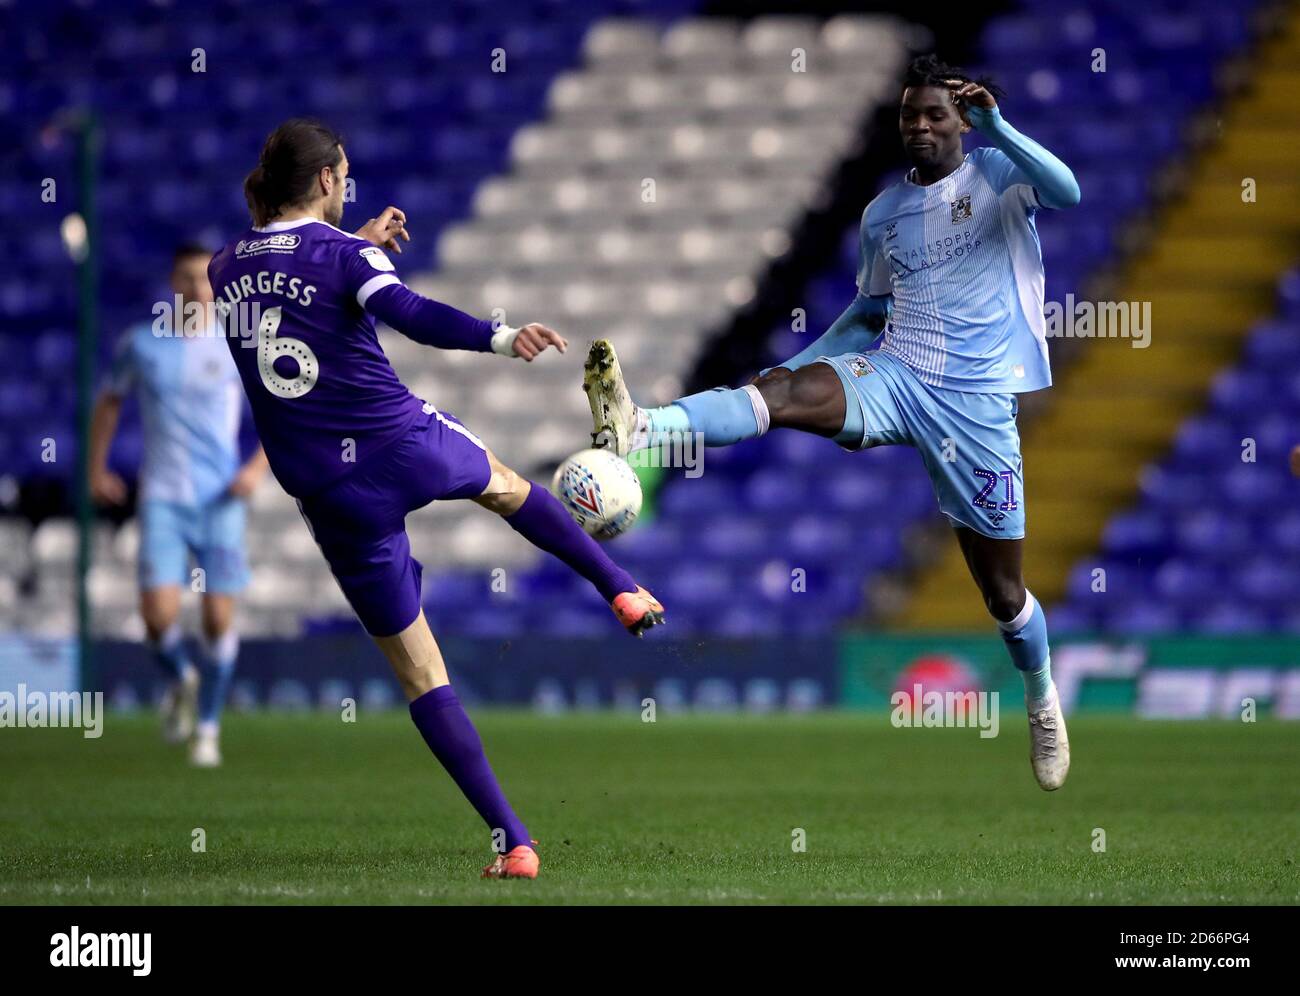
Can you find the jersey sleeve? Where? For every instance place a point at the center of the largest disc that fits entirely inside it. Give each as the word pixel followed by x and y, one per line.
pixel 873 268
pixel 366 269
pixel 1003 175
pixel 122 373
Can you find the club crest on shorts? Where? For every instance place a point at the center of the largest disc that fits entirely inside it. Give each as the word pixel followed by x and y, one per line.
pixel 860 366
pixel 961 209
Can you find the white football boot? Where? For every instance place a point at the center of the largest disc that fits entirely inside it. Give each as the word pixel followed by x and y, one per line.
pixel 179 705
pixel 205 748
pixel 613 416
pixel 1049 745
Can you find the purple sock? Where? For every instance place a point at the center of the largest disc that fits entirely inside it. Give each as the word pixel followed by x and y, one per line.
pixel 454 741
pixel 544 523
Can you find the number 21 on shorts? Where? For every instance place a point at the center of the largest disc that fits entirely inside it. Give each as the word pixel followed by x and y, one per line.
pixel 991 478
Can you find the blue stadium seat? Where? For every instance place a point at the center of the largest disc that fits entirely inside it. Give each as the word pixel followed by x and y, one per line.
pixel 1216 528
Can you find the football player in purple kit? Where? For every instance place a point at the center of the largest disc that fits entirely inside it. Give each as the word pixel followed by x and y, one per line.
pixel 358 451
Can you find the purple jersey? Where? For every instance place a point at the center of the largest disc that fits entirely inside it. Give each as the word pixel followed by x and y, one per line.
pixel 324 396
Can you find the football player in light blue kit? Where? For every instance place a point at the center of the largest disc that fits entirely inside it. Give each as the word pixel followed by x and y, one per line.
pixel 192 493
pixel 951 273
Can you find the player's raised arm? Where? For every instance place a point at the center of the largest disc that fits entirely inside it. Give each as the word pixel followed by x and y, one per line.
pixel 1055 183
pixel 381 292
pixel 444 327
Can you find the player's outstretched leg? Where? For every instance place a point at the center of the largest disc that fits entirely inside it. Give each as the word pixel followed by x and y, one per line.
pixel 160 608
pixel 534 513
pixel 811 399
pixel 438 715
pixel 996 566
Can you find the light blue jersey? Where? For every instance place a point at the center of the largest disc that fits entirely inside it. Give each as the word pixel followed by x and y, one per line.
pixel 191 401
pixel 962 260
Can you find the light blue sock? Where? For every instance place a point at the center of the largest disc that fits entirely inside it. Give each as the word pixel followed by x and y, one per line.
pixel 666 422
pixel 169 652
pixel 217 669
pixel 1026 640
pixel 723 415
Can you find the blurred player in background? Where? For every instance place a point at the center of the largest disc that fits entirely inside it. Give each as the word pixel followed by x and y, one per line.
pixel 192 493
pixel 951 272
pixel 347 439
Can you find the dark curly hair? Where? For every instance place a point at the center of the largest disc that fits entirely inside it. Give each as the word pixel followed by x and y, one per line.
pixel 930 70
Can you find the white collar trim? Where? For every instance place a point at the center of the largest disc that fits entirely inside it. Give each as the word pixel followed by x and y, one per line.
pixel 909 176
pixel 284 226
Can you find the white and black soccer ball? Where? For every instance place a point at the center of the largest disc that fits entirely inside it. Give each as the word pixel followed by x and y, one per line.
pixel 600 490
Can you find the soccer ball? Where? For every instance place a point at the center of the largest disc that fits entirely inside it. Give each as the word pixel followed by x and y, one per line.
pixel 600 490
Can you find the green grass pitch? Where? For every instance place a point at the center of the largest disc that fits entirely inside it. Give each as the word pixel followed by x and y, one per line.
pixel 695 809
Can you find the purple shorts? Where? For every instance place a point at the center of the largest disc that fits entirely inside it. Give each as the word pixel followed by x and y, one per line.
pixel 360 521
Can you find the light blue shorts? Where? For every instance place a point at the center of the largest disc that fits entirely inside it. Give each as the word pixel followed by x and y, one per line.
pixel 969 442
pixel 213 533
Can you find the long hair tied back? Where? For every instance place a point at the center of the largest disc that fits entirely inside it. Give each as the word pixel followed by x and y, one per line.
pixel 292 157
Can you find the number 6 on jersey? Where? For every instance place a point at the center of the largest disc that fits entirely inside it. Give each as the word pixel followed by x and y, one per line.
pixel 270 347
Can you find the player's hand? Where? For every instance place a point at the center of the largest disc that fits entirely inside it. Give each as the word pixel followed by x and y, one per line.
pixel 966 95
pixel 107 488
pixel 533 340
pixel 385 230
pixel 245 482
pixel 1295 461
